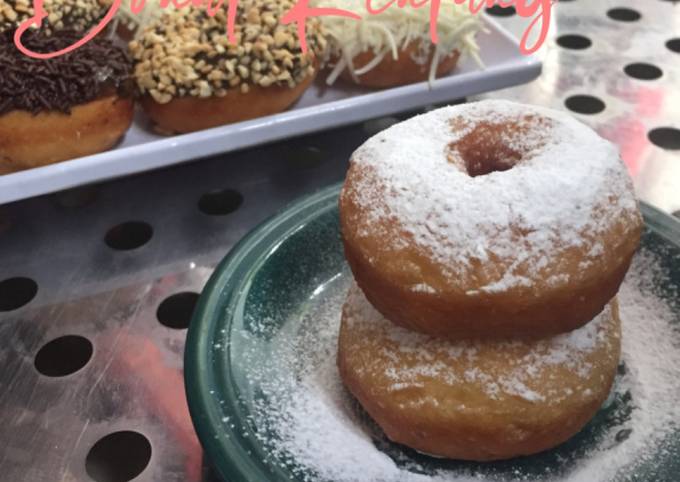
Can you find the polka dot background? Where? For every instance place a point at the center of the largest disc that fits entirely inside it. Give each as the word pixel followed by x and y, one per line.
pixel 98 284
pixel 615 65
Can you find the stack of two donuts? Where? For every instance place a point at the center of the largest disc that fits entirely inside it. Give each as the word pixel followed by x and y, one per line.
pixel 488 242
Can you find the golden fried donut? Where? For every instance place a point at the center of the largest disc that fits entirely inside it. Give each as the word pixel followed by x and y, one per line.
pixel 6 168
pixel 390 72
pixel 62 108
pixel 191 77
pixel 490 219
pixel 28 140
pixel 188 114
pixel 476 400
pixel 388 45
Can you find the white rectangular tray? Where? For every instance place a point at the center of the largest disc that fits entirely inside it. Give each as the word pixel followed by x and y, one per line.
pixel 320 108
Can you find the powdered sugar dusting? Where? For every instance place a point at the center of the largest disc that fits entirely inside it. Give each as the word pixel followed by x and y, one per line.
pixel 569 188
pixel 410 359
pixel 310 424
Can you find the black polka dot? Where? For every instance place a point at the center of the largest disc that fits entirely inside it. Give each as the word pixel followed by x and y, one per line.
pixel 304 157
pixel 643 71
pixel 129 235
pixel 16 292
pixel 118 457
pixel 665 137
pixel 76 198
pixel 5 221
pixel 63 356
pixel 624 14
pixel 431 107
pixel 674 45
pixel 677 214
pixel 584 104
pixel 373 126
pixel 574 42
pixel 220 203
pixel 176 310
pixel 498 11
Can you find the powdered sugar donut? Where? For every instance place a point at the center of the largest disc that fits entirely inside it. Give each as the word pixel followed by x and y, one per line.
pixel 476 400
pixel 489 219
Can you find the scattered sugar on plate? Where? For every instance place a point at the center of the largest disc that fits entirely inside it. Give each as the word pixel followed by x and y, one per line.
pixel 309 424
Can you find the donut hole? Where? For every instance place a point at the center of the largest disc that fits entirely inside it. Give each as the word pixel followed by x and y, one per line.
pixel 489 148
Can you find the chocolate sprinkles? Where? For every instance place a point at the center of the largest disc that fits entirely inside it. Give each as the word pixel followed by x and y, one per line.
pixel 95 69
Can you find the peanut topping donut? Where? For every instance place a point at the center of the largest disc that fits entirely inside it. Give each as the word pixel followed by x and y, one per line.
pixel 77 15
pixel 490 219
pixel 476 400
pixel 191 77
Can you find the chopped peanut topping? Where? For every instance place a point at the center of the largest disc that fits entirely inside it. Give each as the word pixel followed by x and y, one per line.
pixel 79 15
pixel 187 53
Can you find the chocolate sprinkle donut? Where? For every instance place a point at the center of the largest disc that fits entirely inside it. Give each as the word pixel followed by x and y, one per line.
pixel 58 84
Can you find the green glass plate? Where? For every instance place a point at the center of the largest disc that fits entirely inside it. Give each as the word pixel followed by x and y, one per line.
pixel 271 291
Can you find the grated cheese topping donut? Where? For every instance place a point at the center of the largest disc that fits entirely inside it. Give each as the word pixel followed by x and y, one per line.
pixel 489 219
pixel 360 47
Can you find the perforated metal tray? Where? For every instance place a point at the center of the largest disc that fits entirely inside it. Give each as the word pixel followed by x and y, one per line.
pixel 188 217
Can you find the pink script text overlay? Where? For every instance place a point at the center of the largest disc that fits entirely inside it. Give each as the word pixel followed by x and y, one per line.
pixel 539 11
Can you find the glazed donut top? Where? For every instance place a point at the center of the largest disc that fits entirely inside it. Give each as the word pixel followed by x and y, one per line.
pixel 80 76
pixel 493 193
pixel 531 370
pixel 77 15
pixel 187 53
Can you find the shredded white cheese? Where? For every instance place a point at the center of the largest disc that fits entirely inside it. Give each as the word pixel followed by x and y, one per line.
pixel 389 32
pixel 135 22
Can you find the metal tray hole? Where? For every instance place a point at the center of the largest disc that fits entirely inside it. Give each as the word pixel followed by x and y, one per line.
pixel 63 356
pixel 175 311
pixel 118 457
pixel 16 292
pixel 373 126
pixel 665 138
pixel 128 236
pixel 624 14
pixel 643 71
pixel 674 45
pixel 307 157
pixel 574 42
pixel 498 11
pixel 77 197
pixel 584 104
pixel 220 203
